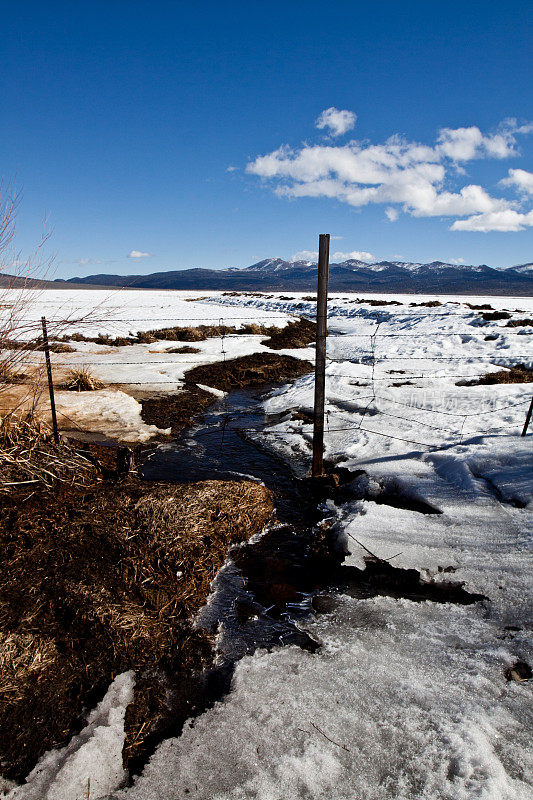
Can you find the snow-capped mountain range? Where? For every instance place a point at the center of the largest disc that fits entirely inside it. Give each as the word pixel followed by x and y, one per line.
pixel 351 275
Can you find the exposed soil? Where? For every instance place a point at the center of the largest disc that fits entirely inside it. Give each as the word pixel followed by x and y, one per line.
pixel 253 370
pixel 93 583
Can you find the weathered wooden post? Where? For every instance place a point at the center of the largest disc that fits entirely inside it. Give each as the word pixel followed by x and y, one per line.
pixel 320 355
pixel 50 382
pixel 528 417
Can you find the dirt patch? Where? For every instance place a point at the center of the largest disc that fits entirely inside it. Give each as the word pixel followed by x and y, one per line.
pixel 93 583
pixel 252 370
pixel 429 304
pixel 176 411
pixel 519 373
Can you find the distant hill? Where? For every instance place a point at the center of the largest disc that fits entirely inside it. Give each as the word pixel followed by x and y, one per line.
pixel 274 274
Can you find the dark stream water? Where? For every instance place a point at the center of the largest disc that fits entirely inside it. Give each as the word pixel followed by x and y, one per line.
pixel 220 447
pixel 266 586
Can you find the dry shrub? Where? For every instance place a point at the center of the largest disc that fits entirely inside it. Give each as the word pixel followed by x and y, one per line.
pixel 29 457
pixel 93 583
pixel 81 380
pixel 254 370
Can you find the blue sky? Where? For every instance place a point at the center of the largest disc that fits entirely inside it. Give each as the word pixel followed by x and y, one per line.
pixel 120 121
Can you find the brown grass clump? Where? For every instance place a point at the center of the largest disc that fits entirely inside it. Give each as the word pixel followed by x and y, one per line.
pixel 29 458
pixel 182 350
pixel 81 380
pixel 294 335
pixel 519 373
pixel 298 331
pixel 176 411
pixel 520 323
pixel 253 370
pixel 93 583
pixel 492 316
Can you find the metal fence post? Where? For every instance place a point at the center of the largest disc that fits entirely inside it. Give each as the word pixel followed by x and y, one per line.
pixel 528 417
pixel 320 355
pixel 50 382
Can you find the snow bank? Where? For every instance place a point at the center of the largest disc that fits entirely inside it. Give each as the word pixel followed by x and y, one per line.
pixel 95 755
pixel 112 413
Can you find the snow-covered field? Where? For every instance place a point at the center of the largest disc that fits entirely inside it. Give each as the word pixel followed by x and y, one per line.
pixel 404 700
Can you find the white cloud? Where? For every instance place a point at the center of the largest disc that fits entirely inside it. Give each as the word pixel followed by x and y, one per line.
pixel 231 168
pixel 138 254
pixel 305 255
pixel 405 175
pixel 337 121
pixel 505 221
pixel 465 144
pixel 84 261
pixel 457 261
pixel 355 255
pixel 519 179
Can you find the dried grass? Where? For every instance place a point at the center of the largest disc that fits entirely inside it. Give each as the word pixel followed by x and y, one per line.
pixel 253 370
pixel 297 333
pixel 81 380
pixel 519 373
pixel 97 582
pixel 29 457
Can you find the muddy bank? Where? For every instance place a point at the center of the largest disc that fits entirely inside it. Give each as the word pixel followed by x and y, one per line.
pixel 93 583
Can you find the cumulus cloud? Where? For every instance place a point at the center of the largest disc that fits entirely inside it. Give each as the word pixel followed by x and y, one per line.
pixel 457 261
pixel 354 255
pixel 404 175
pixel 305 255
pixel 519 179
pixel 337 121
pixel 138 254
pixel 506 220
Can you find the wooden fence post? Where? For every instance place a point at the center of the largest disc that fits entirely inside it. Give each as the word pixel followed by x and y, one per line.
pixel 320 355
pixel 528 417
pixel 50 382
